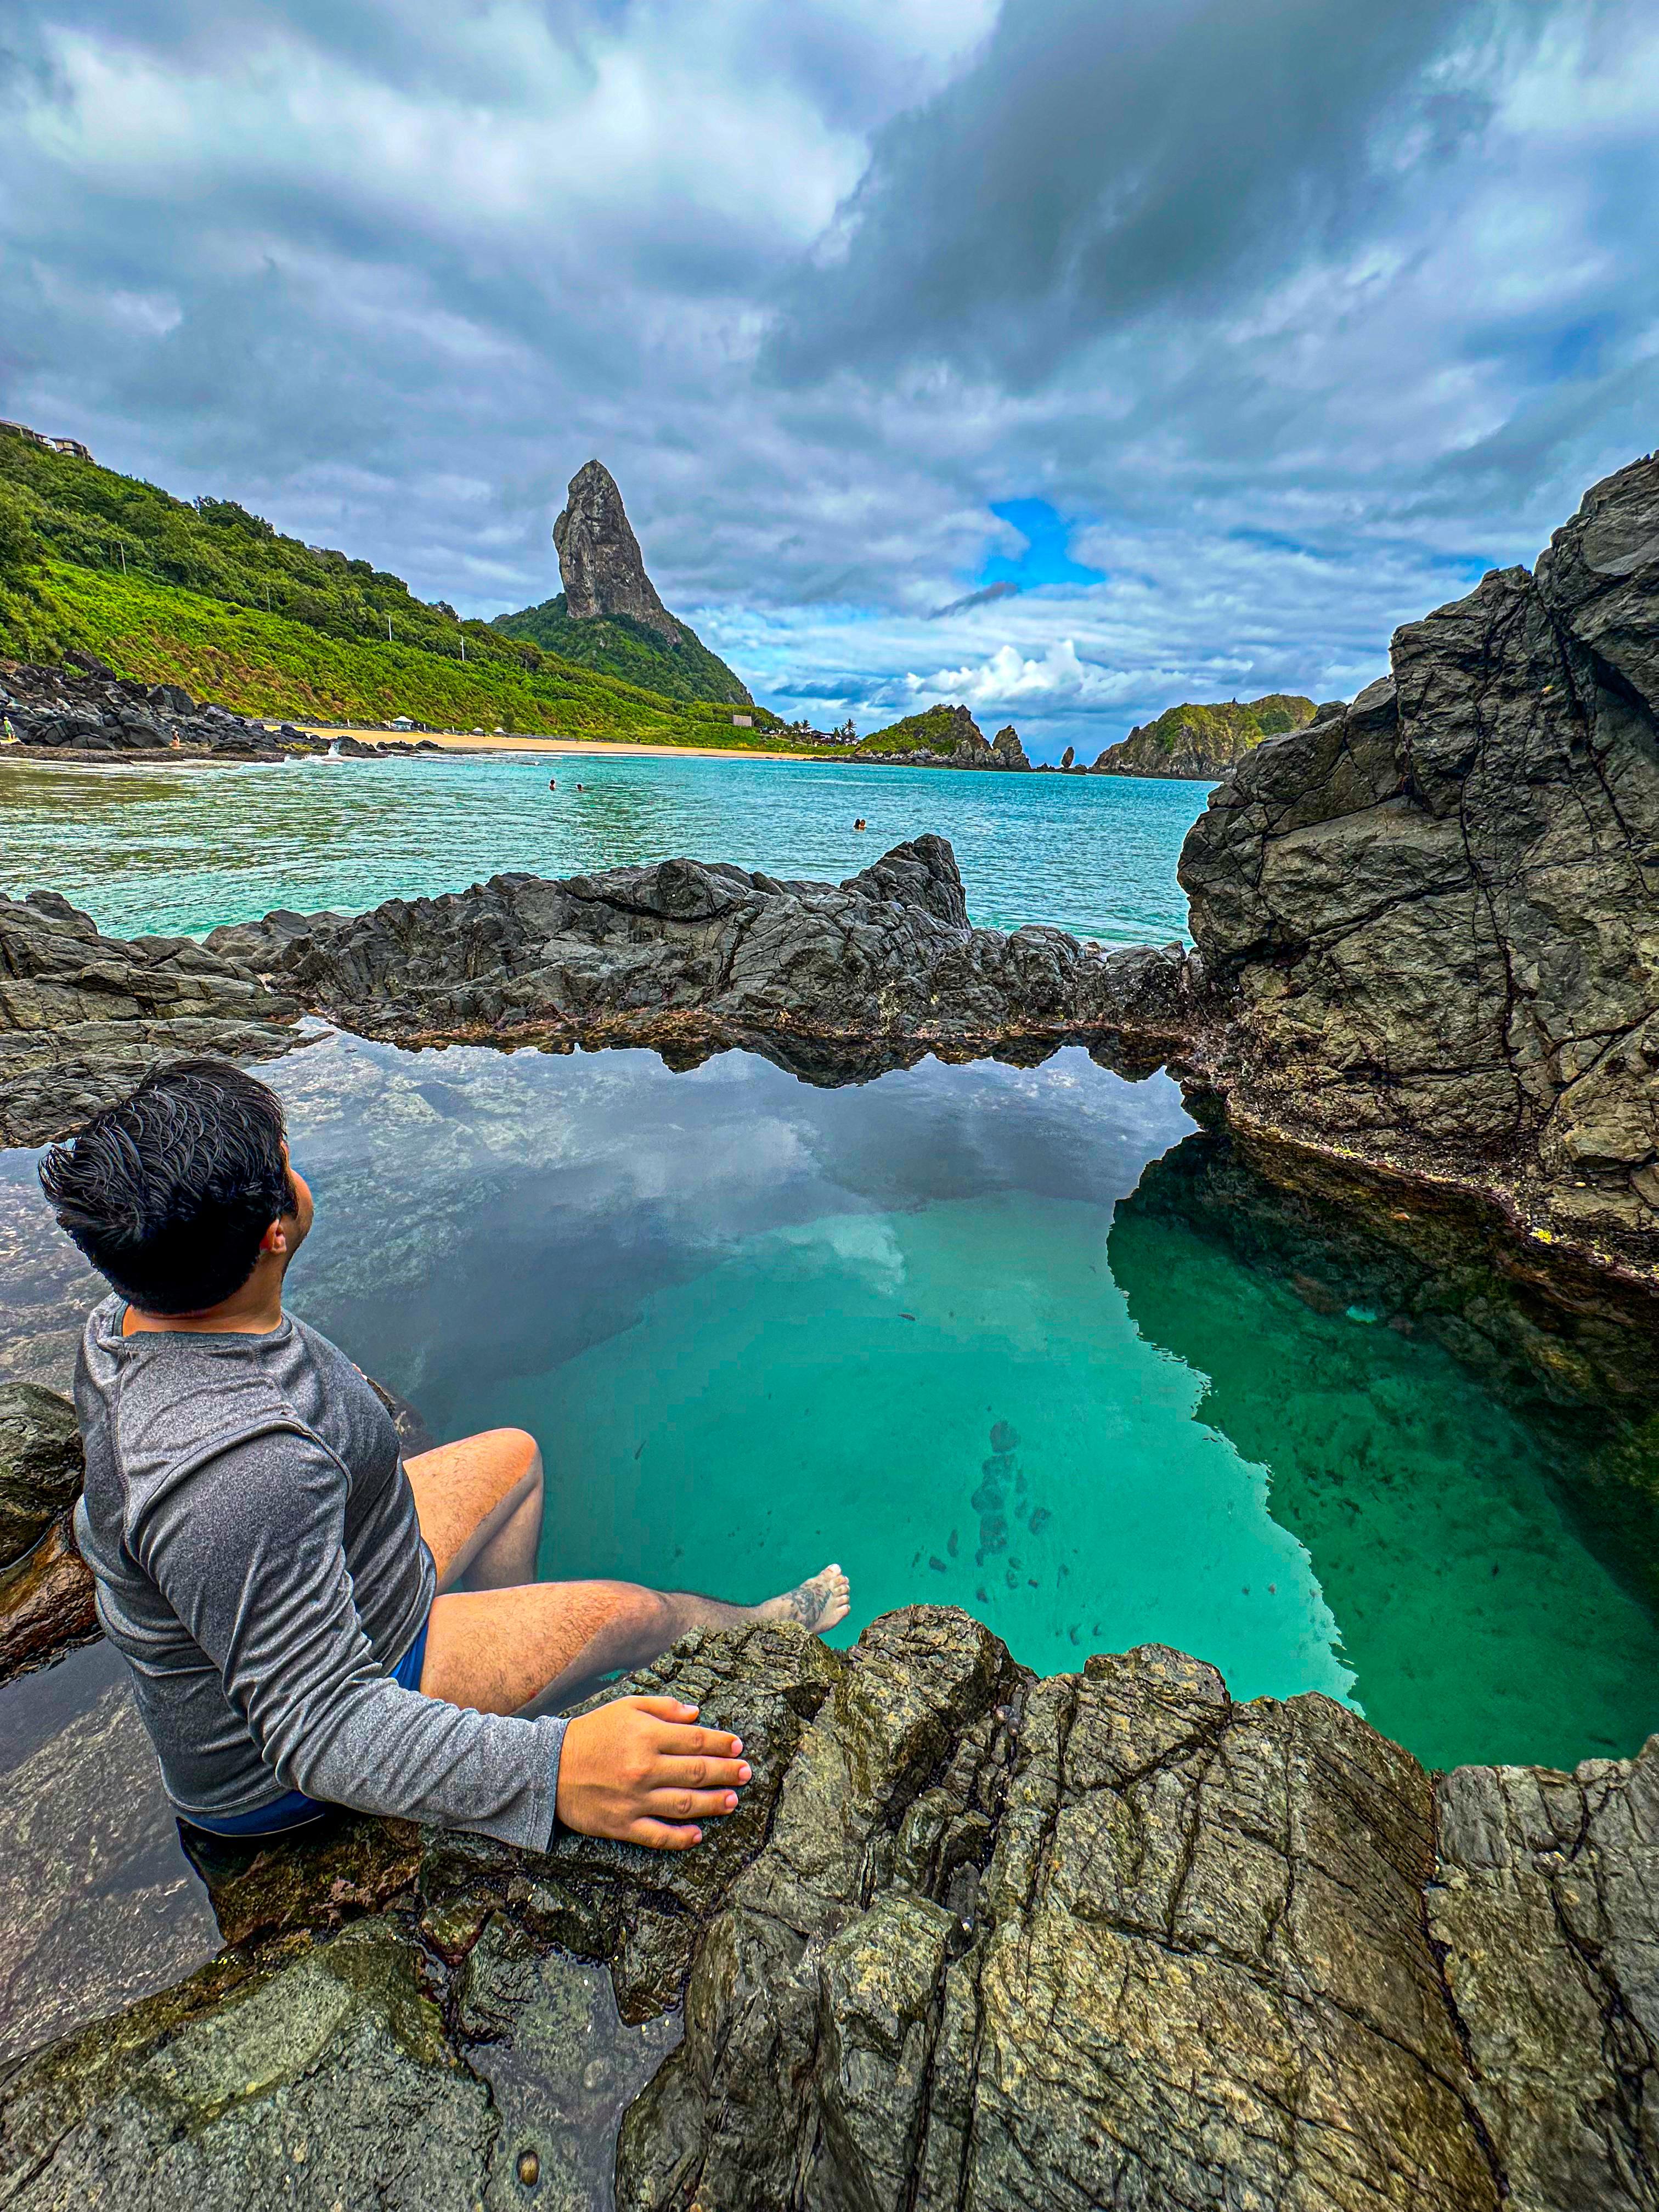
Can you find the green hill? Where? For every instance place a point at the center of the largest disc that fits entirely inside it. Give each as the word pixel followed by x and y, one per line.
pixel 211 597
pixel 935 729
pixel 617 644
pixel 1201 742
pixel 264 665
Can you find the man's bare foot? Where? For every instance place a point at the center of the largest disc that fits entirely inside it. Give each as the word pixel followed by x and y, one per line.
pixel 818 1605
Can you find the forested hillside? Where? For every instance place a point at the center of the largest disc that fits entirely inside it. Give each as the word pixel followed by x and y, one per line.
pixel 614 644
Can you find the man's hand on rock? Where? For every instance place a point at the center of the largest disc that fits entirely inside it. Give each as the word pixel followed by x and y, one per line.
pixel 639 1771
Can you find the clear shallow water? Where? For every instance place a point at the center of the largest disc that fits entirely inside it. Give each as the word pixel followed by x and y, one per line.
pixel 183 849
pixel 912 1326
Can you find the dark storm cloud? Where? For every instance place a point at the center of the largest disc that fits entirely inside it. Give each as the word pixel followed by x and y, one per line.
pixel 1100 160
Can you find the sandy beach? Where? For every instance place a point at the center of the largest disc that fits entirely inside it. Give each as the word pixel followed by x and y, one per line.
pixel 457 742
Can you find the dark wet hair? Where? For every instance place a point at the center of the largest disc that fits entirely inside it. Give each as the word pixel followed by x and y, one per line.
pixel 169 1193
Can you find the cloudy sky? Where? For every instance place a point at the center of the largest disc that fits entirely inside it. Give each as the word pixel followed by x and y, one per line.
pixel 1071 357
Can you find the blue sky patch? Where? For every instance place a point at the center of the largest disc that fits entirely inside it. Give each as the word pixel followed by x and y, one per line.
pixel 1047 558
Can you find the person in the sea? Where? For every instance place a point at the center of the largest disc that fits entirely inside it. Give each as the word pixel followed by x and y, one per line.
pixel 308 1619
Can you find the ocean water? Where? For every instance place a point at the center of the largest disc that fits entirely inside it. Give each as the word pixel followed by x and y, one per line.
pixel 183 848
pixel 914 1327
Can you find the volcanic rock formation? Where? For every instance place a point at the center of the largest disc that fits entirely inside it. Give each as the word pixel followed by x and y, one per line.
pixel 972 1941
pixel 1429 922
pixel 836 982
pixel 600 556
pixel 943 737
pixel 83 1016
pixel 83 708
pixel 1201 743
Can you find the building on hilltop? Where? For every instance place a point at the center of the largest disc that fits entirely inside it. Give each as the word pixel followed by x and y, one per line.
pixel 71 445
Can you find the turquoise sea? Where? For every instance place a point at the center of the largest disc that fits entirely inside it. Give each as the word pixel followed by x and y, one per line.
pixel 912 1324
pixel 186 848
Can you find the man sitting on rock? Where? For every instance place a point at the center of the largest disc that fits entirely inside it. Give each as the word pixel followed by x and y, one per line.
pixel 285 1589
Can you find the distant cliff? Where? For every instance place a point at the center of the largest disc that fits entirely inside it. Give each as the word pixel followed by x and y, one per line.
pixel 1200 744
pixel 608 616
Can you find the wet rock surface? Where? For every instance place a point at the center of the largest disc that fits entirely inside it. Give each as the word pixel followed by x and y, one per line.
pixel 835 980
pixel 40 1464
pixel 1429 919
pixel 83 1016
pixel 98 1906
pixel 46 1604
pixel 974 1941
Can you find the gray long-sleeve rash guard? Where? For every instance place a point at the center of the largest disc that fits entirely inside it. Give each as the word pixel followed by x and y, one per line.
pixel 260 1565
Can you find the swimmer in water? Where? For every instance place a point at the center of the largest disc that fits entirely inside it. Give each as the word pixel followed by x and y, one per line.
pixel 860 823
pixel 552 782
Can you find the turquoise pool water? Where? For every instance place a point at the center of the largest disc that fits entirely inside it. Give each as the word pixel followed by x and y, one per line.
pixel 183 848
pixel 912 1326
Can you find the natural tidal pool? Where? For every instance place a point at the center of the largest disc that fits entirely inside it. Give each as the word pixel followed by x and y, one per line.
pixel 912 1326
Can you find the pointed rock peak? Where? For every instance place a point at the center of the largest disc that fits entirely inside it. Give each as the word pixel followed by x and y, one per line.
pixel 600 556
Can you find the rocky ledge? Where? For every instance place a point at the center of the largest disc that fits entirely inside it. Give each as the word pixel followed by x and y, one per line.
pixel 973 1940
pixel 83 1016
pixel 83 709
pixel 834 980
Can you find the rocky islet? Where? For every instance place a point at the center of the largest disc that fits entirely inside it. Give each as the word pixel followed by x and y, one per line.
pixel 1198 744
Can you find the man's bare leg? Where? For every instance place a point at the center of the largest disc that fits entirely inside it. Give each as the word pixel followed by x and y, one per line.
pixel 637 1768
pixel 501 1650
pixel 480 1506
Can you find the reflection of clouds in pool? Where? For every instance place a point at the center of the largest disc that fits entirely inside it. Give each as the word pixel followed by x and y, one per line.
pixel 863 1242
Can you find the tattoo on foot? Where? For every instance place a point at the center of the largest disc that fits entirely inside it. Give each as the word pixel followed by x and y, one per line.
pixel 819 1603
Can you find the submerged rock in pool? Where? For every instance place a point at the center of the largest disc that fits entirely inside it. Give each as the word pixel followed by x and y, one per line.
pixel 974 1940
pixel 97 1903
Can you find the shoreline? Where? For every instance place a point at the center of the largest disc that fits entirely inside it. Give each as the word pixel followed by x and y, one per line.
pixel 452 741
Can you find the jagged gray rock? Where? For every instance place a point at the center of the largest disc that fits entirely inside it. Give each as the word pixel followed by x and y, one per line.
pixel 835 980
pixel 83 1016
pixel 599 558
pixel 1548 1906
pixel 1430 917
pixel 974 1941
pixel 82 709
pixel 40 1464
